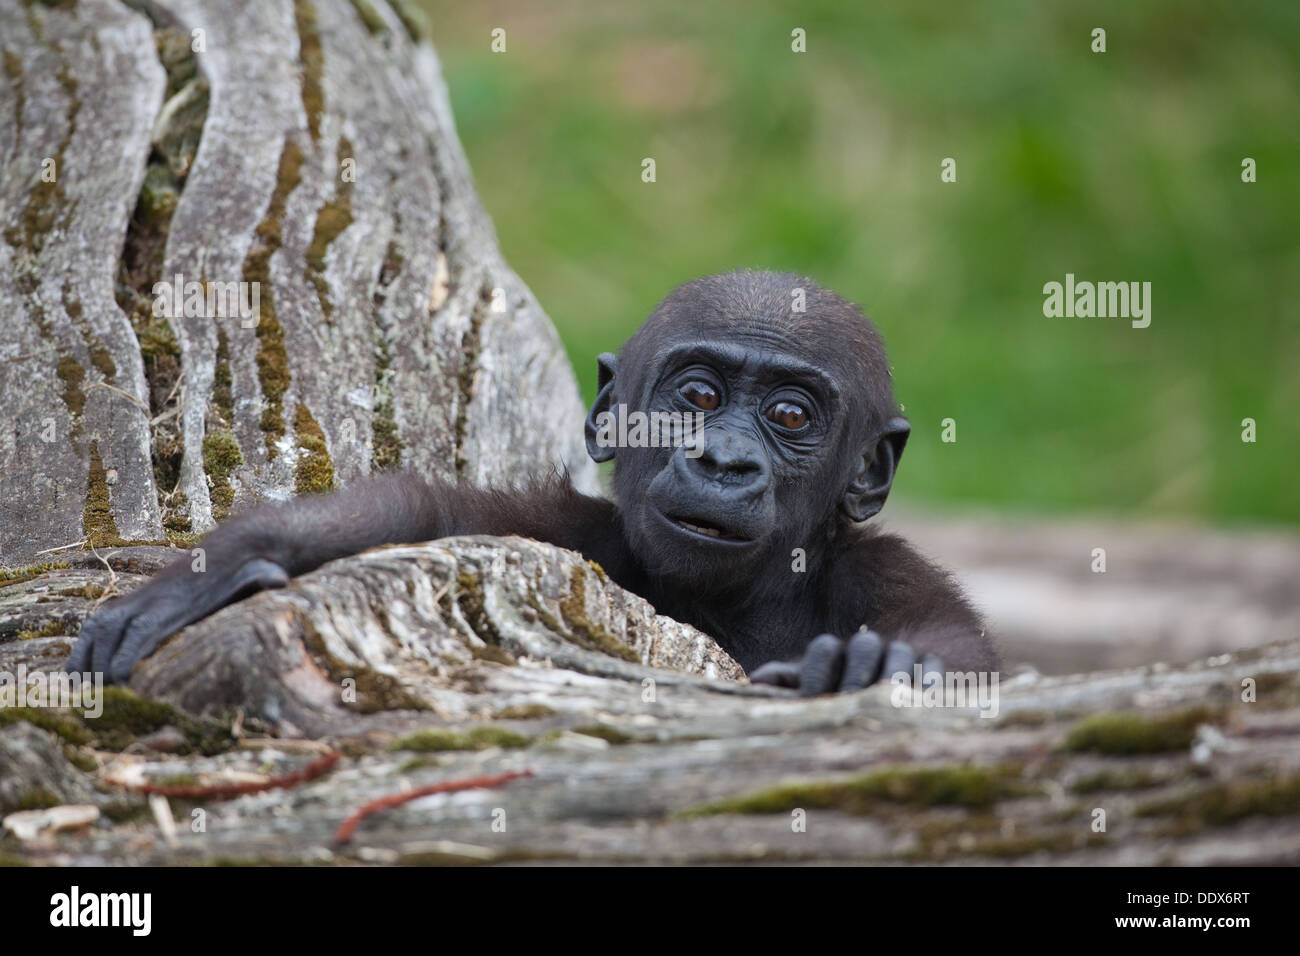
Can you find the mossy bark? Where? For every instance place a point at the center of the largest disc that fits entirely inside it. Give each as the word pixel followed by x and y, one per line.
pixel 328 173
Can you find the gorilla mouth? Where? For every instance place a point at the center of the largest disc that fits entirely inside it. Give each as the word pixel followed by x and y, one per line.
pixel 707 529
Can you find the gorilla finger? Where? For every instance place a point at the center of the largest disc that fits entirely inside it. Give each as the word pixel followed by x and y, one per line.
pixel 146 631
pixel 80 657
pixel 823 662
pixel 256 575
pixel 899 658
pixel 862 660
pixel 931 670
pixel 101 635
pixel 777 674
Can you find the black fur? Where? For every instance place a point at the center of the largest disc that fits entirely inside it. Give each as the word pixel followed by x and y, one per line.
pixel 764 490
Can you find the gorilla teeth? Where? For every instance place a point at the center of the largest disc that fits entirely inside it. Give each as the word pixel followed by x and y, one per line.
pixel 699 529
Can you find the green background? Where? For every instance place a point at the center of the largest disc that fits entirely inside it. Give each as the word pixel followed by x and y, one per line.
pixel 1116 166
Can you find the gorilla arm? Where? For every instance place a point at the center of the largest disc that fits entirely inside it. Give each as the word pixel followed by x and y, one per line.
pixel 915 613
pixel 268 545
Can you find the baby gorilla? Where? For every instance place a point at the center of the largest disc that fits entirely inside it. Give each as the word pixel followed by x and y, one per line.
pixel 751 530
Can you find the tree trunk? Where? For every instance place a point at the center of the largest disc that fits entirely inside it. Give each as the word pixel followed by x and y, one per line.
pixel 304 148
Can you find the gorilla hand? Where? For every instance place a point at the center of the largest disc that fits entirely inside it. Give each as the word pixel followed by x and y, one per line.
pixel 830 665
pixel 130 628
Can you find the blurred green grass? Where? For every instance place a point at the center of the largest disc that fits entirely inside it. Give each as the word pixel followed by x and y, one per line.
pixel 1117 166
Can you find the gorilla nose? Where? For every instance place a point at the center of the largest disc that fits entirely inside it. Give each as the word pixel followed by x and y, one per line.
pixel 733 462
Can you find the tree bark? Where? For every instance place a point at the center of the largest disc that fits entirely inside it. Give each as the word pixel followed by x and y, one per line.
pixel 475 657
pixel 305 148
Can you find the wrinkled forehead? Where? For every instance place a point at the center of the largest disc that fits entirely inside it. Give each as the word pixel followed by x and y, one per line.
pixel 765 360
pixel 828 338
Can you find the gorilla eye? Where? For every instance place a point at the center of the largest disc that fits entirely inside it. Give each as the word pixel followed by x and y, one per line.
pixel 788 415
pixel 701 395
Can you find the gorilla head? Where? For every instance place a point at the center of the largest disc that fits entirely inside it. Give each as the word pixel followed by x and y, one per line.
pixel 800 429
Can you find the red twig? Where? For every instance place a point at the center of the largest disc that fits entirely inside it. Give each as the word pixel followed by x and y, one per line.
pixel 349 826
pixel 221 790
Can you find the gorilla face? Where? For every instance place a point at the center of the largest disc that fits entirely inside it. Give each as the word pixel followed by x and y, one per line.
pixel 793 436
pixel 741 486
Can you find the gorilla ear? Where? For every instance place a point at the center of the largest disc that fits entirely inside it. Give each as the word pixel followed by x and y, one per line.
pixel 607 370
pixel 869 488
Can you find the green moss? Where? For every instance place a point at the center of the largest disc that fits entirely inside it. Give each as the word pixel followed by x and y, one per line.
pixel 1125 733
pixel 375 691
pixel 46 201
pixel 418 763
pixel 469 598
pixel 272 359
pixel 48 629
pixel 157 339
pixel 72 375
pixel 126 811
pixel 159 195
pixel 394 260
pixel 370 17
pixel 63 724
pixel 479 738
pixel 88 591
pixel 314 471
pixel 493 653
pixel 127 716
pixel 221 456
pixel 175 520
pixel 102 359
pixel 413 19
pixel 587 633
pixel 386 441
pixel 33 798
pixel 940 835
pixel 962 785
pixel 81 758
pixel 222 381
pixel 523 712
pixel 1228 802
pixel 97 518
pixel 1134 778
pixel 605 732
pixel 19 575
pixel 331 219
pixel 471 343
pixel 312 59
